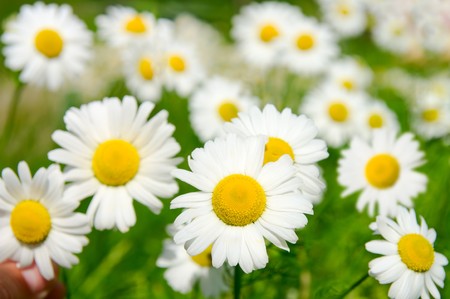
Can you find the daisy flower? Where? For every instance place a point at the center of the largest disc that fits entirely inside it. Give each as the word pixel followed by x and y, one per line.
pixel 184 271
pixel 124 26
pixel 346 17
pixel 217 101
pixel 394 33
pixel 239 203
pixel 309 47
pixel 48 44
pixel 260 29
pixel 288 134
pixel 115 154
pixel 349 75
pixel 37 220
pixel 384 170
pixel 408 260
pixel 377 115
pixel 431 116
pixel 182 70
pixel 334 112
pixel 143 73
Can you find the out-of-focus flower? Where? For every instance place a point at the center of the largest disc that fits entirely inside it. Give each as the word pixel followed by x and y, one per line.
pixel 431 116
pixel 376 115
pixel 347 17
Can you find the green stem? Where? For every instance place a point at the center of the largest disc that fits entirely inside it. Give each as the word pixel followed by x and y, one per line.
pixel 237 282
pixel 353 286
pixel 10 118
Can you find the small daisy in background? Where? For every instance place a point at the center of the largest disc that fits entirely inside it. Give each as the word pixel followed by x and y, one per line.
pixel 38 222
pixel 431 116
pixel 394 33
pixel 288 134
pixel 184 271
pixel 383 169
pixel 122 27
pixel 239 203
pixel 408 260
pixel 335 113
pixel 114 153
pixel 48 44
pixel 346 17
pixel 376 115
pixel 349 75
pixel 260 31
pixel 216 102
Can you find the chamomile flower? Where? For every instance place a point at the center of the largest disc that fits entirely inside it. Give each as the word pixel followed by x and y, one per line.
pixel 143 73
pixel 349 75
pixel 347 17
pixel 288 134
pixel 334 112
pixel 124 26
pixel 37 220
pixel 217 101
pixel 309 47
pixel 408 260
pixel 115 154
pixel 184 271
pixel 431 116
pixel 260 29
pixel 182 69
pixel 376 115
pixel 383 169
pixel 394 33
pixel 239 203
pixel 47 43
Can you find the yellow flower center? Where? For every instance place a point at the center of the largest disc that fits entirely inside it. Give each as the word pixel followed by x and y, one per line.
pixel 136 25
pixel 416 252
pixel 338 112
pixel 305 42
pixel 49 43
pixel 348 84
pixel 238 200
pixel 228 110
pixel 344 10
pixel 268 33
pixel 146 68
pixel 430 115
pixel 30 222
pixel 375 121
pixel 204 259
pixel 275 148
pixel 382 171
pixel 177 63
pixel 115 162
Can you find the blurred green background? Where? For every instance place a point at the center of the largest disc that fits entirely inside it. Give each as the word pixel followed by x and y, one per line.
pixel 329 257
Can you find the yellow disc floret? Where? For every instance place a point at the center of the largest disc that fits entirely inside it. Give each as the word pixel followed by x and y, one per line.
pixel 30 222
pixel 348 84
pixel 268 33
pixel 275 148
pixel 238 200
pixel 136 25
pixel 382 171
pixel 49 43
pixel 305 41
pixel 115 162
pixel 344 10
pixel 146 69
pixel 228 110
pixel 177 63
pixel 375 121
pixel 204 259
pixel 338 111
pixel 430 115
pixel 416 252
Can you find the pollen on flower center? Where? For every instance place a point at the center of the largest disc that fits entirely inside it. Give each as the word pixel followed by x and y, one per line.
pixel 348 84
pixel 228 110
pixel 305 41
pixel 30 222
pixel 136 25
pixel 416 252
pixel 238 200
pixel 177 63
pixel 338 112
pixel 275 148
pixel 382 171
pixel 115 162
pixel 344 10
pixel 49 43
pixel 146 69
pixel 204 259
pixel 268 33
pixel 375 121
pixel 430 115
